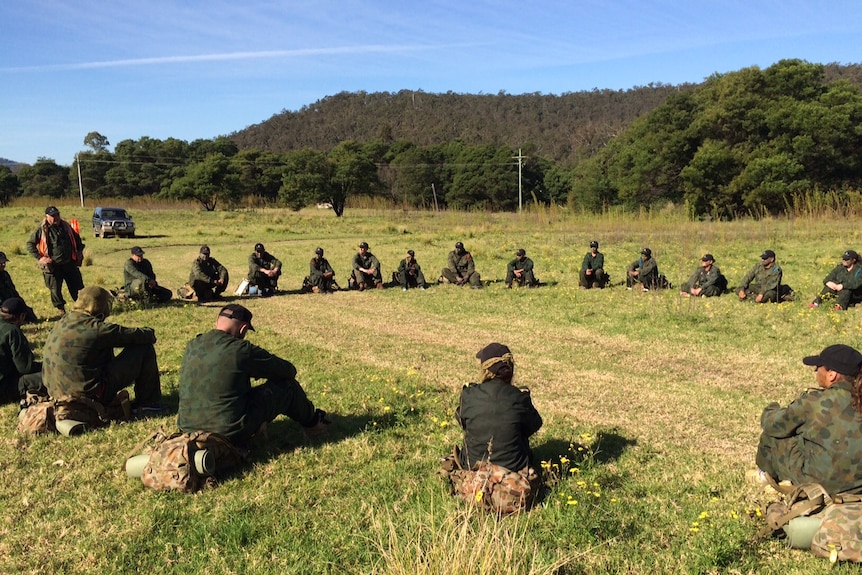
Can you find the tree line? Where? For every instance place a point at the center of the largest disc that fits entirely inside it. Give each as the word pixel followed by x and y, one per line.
pixel 742 142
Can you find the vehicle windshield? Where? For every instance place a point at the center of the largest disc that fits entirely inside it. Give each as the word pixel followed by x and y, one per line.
pixel 114 215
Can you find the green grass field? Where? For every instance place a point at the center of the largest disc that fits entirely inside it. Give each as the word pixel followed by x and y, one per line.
pixel 651 401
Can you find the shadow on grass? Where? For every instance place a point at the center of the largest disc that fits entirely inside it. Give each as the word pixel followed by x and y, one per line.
pixel 605 447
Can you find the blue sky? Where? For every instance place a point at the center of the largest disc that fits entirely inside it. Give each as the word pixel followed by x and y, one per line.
pixel 193 69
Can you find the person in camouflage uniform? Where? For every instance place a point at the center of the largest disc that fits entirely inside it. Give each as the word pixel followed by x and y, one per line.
pixel 366 269
pixel 263 270
pixel 410 272
pixel 644 271
pixel 706 281
pixel 498 420
pixel 8 290
pixel 216 394
pixel 139 279
pixel 818 437
pixel 19 371
pixel 593 268
pixel 79 360
pixel 208 277
pixel 761 283
pixel 60 253
pixel 321 276
pixel 520 271
pixel 461 269
pixel 843 284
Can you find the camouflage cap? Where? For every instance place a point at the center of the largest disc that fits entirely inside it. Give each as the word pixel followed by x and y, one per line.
pixel 94 300
pixel 839 357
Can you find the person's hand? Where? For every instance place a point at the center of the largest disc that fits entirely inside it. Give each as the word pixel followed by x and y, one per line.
pixel 759 298
pixel 589 271
pixel 321 425
pixel 45 260
pixel 741 294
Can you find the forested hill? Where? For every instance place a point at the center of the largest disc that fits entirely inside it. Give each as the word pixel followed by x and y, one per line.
pixel 563 128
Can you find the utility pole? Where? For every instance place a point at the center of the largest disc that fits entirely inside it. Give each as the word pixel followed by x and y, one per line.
pixel 80 184
pixel 520 159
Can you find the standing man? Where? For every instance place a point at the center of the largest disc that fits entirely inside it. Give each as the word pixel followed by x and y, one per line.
pixel 216 394
pixel 520 270
pixel 79 361
pixel 208 277
pixel 593 268
pixel 321 276
pixel 644 271
pixel 263 271
pixel 461 269
pixel 19 371
pixel 761 282
pixel 139 279
pixel 8 290
pixel 410 272
pixel 706 281
pixel 844 283
pixel 818 438
pixel 366 269
pixel 60 253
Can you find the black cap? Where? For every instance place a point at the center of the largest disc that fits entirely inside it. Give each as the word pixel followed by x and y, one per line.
pixel 841 358
pixel 319 251
pixel 411 253
pixel 501 368
pixel 459 246
pixel 205 250
pixel 521 252
pixel 767 254
pixel 137 251
pixel 647 252
pixel 14 306
pixel 594 244
pixel 3 257
pixel 52 211
pixel 848 255
pixel 238 312
pixel 707 258
pixel 363 245
pixel 259 248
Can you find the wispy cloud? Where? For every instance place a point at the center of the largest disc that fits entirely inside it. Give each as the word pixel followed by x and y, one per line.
pixel 222 57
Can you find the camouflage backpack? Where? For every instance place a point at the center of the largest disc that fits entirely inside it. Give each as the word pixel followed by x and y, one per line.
pixel 42 413
pixel 495 488
pixel 175 463
pixel 37 418
pixel 830 526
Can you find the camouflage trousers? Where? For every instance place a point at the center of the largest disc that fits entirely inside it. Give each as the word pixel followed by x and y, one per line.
pixel 782 458
pixel 492 487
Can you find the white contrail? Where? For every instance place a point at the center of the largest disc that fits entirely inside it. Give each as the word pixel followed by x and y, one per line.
pixel 235 56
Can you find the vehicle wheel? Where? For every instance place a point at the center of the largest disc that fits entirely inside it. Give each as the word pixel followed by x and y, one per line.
pixel 131 235
pixel 96 233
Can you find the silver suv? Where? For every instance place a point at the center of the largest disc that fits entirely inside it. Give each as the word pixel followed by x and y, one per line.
pixel 112 222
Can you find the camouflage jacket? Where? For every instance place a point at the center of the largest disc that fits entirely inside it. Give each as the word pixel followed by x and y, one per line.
pixel 133 270
pixel 593 262
pixel 646 269
pixel 215 381
pixel 7 287
pixel 497 413
pixel 265 261
pixel 208 271
pixel 16 357
pixel 704 279
pixel 517 264
pixel 318 267
pixel 411 268
pixel 766 279
pixel 367 262
pixel 61 241
pixel 851 280
pixel 830 431
pixel 463 265
pixel 78 349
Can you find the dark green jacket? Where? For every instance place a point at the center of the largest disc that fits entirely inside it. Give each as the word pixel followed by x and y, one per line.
pixel 63 244
pixel 367 262
pixel 766 279
pixel 461 265
pixel 517 264
pixel 830 434
pixel 850 280
pixel 142 271
pixel 265 261
pixel 215 381
pixel 16 357
pixel 593 262
pixel 647 269
pixel 79 347
pixel 499 413
pixel 706 279
pixel 7 287
pixel 317 267
pixel 413 268
pixel 207 271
